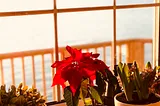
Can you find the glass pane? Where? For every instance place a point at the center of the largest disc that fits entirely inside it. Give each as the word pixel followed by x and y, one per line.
pixel 82 3
pixel 22 5
pixel 20 33
pixel 85 28
pixel 136 28
pixel 124 2
pixel 129 26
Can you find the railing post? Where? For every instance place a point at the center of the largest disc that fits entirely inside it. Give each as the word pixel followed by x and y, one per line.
pixel 135 52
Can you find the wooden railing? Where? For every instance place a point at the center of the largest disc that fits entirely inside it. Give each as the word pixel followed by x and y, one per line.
pixel 128 51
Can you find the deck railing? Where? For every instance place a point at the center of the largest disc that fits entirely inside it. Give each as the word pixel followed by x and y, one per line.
pixel 134 50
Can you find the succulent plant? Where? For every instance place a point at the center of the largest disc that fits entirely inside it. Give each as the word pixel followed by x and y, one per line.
pixel 137 82
pixel 20 96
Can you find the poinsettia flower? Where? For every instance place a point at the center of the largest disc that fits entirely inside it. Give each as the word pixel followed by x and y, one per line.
pixel 76 67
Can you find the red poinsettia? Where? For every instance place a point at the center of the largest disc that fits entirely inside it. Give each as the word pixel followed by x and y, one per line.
pixel 76 67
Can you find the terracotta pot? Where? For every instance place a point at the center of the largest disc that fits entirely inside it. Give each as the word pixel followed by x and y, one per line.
pixel 118 103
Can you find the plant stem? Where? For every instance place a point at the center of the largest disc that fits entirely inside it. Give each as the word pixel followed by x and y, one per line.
pixel 93 102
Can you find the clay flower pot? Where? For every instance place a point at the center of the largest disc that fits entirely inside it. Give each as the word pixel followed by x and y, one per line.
pixel 119 103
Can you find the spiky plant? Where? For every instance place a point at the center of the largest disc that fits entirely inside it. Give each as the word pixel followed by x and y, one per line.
pixel 21 96
pixel 135 81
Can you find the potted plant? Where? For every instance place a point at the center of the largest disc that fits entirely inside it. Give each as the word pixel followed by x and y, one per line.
pixel 140 88
pixel 21 96
pixel 80 70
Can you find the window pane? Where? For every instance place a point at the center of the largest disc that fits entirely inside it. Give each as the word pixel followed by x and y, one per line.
pixel 122 2
pixel 85 28
pixel 129 26
pixel 136 25
pixel 22 5
pixel 20 33
pixel 82 3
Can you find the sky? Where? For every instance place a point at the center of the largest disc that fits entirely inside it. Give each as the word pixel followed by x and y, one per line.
pixel 20 33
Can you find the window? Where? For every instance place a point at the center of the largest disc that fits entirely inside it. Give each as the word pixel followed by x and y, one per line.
pixel 75 25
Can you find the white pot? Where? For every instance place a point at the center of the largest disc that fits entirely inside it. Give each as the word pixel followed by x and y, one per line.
pixel 118 103
pixel 64 104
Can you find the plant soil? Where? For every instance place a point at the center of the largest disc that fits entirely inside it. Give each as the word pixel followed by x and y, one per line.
pixel 152 99
pixel 108 101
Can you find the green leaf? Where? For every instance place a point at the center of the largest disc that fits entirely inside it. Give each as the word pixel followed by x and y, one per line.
pixel 123 72
pixel 13 100
pixel 148 65
pixel 95 95
pixel 83 89
pixel 88 102
pixel 138 81
pixel 120 66
pixel 76 98
pixel 158 67
pixel 21 100
pixel 126 72
pixel 68 96
pixel 127 84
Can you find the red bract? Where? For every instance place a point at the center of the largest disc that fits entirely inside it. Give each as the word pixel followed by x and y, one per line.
pixel 79 65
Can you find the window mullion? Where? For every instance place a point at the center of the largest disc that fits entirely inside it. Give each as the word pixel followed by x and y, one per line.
pixel 113 57
pixel 56 52
pixel 156 36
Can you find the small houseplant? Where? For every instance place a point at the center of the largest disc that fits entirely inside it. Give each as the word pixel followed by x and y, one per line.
pixel 80 70
pixel 21 96
pixel 139 87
